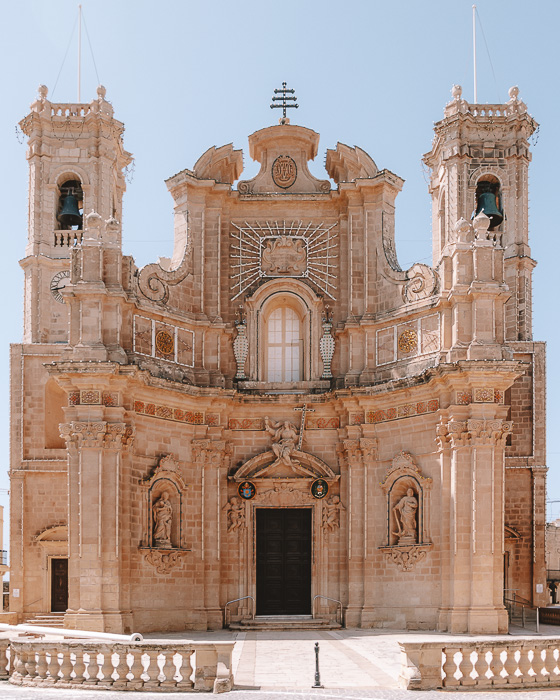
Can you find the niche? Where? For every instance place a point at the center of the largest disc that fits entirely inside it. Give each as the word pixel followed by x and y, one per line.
pixel 164 493
pixel 406 490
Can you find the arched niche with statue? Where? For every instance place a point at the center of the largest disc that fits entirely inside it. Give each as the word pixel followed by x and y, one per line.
pixel 163 506
pixel 406 491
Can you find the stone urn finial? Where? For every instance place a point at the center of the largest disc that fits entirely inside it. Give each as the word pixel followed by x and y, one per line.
pixel 513 93
pixel 456 92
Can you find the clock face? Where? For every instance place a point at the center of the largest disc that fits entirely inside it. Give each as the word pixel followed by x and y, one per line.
pixel 58 282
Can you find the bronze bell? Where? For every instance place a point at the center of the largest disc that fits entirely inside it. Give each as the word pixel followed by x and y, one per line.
pixel 487 201
pixel 70 214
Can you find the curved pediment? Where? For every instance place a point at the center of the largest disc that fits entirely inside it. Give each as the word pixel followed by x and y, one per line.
pixel 266 466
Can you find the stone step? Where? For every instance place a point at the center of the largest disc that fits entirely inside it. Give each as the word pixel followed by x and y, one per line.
pixel 47 620
pixel 284 622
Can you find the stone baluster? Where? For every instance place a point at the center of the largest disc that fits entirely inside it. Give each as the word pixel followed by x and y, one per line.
pixel 106 666
pixel 152 669
pixel 539 665
pixel 30 662
pixel 65 665
pixel 481 667
pixel 525 665
pixel 4 659
pixel 122 666
pixel 93 665
pixel 466 666
pixel 42 666
pixel 52 665
pixel 497 666
pixel 136 668
pixel 185 670
pixel 553 655
pixel 511 665
pixel 79 665
pixel 168 669
pixel 450 667
pixel 19 668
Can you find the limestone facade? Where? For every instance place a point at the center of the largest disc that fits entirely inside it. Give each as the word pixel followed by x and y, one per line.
pixel 279 411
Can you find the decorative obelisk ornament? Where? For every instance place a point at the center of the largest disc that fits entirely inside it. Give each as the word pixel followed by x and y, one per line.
pixel 326 344
pixel 241 345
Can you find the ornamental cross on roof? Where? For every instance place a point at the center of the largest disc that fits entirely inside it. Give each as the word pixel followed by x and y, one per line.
pixel 287 97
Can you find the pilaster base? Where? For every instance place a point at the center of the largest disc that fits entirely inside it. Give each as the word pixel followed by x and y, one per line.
pixel 473 620
pixel 353 616
pixel 369 617
pixel 214 618
pixel 99 621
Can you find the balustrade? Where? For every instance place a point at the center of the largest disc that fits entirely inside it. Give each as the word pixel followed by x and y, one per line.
pixel 515 664
pixel 136 666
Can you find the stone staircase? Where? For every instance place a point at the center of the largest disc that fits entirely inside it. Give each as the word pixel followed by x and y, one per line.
pixel 284 622
pixel 53 619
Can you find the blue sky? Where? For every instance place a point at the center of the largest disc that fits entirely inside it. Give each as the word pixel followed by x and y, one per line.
pixel 186 75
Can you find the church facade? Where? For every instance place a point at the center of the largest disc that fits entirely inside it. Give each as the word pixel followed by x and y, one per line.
pixel 278 420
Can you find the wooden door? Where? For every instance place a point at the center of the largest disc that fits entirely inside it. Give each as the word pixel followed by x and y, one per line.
pixel 59 585
pixel 283 561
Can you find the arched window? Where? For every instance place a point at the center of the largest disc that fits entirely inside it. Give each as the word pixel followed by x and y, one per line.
pixel 284 345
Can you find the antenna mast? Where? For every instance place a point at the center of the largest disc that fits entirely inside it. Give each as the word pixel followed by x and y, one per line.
pixel 80 51
pixel 474 50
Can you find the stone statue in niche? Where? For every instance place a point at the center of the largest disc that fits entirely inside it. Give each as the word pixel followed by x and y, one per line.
pixel 284 439
pixel 331 514
pixel 235 510
pixel 163 517
pixel 405 518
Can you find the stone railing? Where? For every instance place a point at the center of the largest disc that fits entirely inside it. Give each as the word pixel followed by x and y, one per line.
pixel 121 666
pixel 519 663
pixel 68 239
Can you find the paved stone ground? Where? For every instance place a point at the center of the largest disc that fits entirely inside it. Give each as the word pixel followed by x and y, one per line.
pixel 354 664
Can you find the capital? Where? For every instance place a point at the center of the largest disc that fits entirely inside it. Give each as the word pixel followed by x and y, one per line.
pixel 97 434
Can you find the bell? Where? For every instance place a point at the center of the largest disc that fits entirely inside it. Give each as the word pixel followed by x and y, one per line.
pixel 487 202
pixel 70 214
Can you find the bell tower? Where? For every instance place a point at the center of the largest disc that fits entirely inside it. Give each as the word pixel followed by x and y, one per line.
pixel 479 163
pixel 76 161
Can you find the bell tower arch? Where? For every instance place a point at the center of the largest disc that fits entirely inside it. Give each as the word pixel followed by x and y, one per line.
pixel 76 161
pixel 480 162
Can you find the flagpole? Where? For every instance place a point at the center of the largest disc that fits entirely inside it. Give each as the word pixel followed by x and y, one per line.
pixel 474 50
pixel 79 51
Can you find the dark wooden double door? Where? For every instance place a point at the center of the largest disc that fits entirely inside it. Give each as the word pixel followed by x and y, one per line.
pixel 59 585
pixel 283 561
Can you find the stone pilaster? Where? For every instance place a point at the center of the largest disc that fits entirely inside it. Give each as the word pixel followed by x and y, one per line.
pixel 368 447
pixel 351 455
pixel 472 454
pixel 540 597
pixel 211 457
pixel 95 450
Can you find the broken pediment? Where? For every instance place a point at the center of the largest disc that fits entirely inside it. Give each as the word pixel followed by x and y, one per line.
pixel 283 152
pixel 345 164
pixel 266 466
pixel 223 164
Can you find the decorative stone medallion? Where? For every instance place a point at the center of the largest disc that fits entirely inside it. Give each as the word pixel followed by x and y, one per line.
pixel 247 490
pixel 319 488
pixel 165 343
pixel 284 171
pixel 408 341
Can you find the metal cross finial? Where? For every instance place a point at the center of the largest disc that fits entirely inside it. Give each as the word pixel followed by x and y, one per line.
pixel 286 99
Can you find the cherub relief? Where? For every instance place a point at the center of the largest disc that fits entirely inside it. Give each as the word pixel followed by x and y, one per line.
pixel 331 514
pixel 235 510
